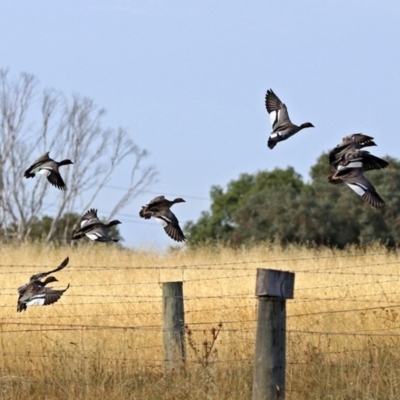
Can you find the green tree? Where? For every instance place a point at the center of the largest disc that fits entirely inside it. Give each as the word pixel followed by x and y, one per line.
pixel 219 223
pixel 278 205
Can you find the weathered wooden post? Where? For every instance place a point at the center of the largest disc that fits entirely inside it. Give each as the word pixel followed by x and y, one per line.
pixel 173 325
pixel 272 289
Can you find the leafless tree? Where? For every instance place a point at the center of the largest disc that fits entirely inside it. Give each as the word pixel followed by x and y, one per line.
pixel 34 121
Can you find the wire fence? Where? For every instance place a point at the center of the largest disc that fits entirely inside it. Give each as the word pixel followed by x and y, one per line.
pixel 344 309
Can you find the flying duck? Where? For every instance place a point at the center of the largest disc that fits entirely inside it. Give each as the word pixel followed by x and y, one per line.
pixel 359 139
pixel 93 228
pixel 282 127
pixel 354 141
pixel 45 165
pixel 35 292
pixel 354 178
pixel 159 209
pixel 356 158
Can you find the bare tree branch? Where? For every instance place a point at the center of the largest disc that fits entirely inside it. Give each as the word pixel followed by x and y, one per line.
pixel 33 122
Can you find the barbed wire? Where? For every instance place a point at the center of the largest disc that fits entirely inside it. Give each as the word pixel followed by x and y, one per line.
pixel 83 315
pixel 250 295
pixel 156 283
pixel 360 297
pixel 206 265
pixel 85 326
pixel 353 273
pixel 342 311
pixel 347 300
pixel 349 284
pixel 345 333
pixel 157 299
pixel 57 326
pixel 63 304
pixel 126 328
pixel 366 331
pixel 128 314
pixel 327 352
pixel 126 302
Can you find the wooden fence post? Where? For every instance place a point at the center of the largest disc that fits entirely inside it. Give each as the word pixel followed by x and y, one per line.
pixel 272 289
pixel 173 325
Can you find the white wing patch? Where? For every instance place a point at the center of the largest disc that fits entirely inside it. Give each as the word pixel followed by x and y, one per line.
pixel 354 164
pixel 163 221
pixel 359 189
pixel 93 236
pixel 274 116
pixel 274 135
pixel 45 172
pixel 85 222
pixel 36 301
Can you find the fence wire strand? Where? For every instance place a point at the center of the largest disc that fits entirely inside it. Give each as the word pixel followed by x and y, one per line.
pixel 203 312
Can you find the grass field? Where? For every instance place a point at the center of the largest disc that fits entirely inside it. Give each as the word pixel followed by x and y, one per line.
pixel 103 338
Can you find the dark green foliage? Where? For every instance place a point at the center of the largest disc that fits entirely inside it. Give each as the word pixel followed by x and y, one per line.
pixel 219 223
pixel 279 206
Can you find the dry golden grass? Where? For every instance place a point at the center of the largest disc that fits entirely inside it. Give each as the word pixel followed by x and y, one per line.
pixel 103 338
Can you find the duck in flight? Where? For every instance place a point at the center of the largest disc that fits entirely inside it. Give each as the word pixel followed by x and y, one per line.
pixel 93 228
pixel 354 178
pixel 35 292
pixel 349 145
pixel 46 166
pixel 282 127
pixel 159 209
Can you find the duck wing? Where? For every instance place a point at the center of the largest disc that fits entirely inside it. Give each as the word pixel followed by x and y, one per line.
pixel 157 200
pixel 43 274
pixel 54 176
pixel 155 205
pixel 174 231
pixel 29 173
pixel 96 232
pixel 355 158
pixel 90 217
pixel 158 203
pixel 171 225
pixel 359 139
pixel 353 141
pixel 370 162
pixel 277 111
pixel 44 297
pixel 355 179
pixel 53 295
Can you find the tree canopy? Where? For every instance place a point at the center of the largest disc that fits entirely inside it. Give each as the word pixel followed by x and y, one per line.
pixel 278 205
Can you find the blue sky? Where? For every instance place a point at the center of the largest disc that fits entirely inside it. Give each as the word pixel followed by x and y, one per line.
pixel 188 80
